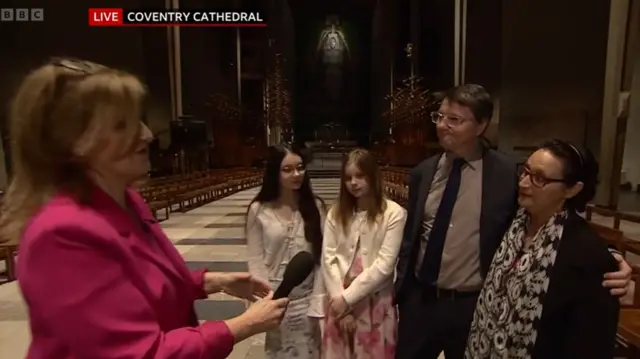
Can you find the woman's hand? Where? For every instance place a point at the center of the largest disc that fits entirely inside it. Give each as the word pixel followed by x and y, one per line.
pixel 240 285
pixel 265 314
pixel 339 307
pixel 618 281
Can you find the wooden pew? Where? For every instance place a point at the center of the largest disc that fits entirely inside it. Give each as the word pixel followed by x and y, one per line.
pixel 182 193
pixel 612 236
pixel 628 334
pixel 8 252
pixel 616 216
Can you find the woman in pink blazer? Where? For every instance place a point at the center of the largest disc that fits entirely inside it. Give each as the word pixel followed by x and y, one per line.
pixel 99 277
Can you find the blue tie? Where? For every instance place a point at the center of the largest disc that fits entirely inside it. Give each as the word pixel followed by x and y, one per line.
pixel 430 268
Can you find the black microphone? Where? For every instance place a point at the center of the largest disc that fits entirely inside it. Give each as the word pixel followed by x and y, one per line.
pixel 298 269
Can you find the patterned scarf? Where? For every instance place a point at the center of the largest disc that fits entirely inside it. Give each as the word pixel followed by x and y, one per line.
pixel 505 323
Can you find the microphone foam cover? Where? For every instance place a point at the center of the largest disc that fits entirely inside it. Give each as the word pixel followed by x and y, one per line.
pixel 298 269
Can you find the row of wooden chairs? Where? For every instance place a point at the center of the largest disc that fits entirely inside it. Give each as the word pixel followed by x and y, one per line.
pixel 617 216
pixel 181 193
pixel 173 179
pixel 8 252
pixel 196 190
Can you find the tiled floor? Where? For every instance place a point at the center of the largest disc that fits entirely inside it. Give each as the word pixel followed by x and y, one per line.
pixel 211 236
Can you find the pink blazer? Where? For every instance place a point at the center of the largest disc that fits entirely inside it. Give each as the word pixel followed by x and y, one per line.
pixel 100 286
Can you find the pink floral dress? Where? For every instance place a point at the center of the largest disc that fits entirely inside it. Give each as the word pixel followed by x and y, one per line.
pixel 375 331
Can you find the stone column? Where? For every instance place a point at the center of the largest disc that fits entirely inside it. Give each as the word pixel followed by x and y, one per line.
pixel 618 17
pixel 631 157
pixel 459 39
pixel 383 42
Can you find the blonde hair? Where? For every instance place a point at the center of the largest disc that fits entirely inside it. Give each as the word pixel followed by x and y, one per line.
pixel 367 163
pixel 58 117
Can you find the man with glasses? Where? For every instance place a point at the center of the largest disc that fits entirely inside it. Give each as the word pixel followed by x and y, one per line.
pixel 460 205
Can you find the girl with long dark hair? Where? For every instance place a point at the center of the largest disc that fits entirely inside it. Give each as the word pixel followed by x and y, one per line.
pixel 284 219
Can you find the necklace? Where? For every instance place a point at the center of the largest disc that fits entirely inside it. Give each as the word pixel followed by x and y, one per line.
pixel 289 224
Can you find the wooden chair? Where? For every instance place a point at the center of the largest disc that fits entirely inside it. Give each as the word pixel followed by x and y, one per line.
pixel 612 236
pixel 604 212
pixel 185 192
pixel 8 252
pixel 617 216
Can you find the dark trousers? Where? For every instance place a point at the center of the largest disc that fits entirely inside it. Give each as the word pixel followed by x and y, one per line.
pixel 430 323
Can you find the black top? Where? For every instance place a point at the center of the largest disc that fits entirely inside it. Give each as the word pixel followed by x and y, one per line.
pixel 580 316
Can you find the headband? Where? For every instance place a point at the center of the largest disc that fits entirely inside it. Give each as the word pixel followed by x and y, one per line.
pixel 575 149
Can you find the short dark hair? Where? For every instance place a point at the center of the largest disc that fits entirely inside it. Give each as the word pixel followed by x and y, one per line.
pixel 579 165
pixel 473 96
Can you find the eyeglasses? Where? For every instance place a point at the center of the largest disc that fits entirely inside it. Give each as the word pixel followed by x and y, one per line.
pixel 78 69
pixel 538 180
pixel 452 121
pixel 78 66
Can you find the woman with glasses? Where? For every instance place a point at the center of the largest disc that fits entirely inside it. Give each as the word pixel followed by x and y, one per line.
pixel 543 297
pixel 284 219
pixel 99 277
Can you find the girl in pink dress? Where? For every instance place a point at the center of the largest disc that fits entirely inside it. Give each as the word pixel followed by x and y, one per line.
pixel 362 237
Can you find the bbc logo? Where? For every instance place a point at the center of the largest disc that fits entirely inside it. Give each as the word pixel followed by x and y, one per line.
pixel 21 14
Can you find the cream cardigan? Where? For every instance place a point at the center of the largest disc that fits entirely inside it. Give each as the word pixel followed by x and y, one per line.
pixel 379 246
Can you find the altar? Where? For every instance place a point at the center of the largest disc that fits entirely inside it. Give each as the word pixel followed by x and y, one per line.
pixel 332 133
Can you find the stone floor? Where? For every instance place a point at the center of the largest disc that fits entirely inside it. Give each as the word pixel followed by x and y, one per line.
pixel 211 236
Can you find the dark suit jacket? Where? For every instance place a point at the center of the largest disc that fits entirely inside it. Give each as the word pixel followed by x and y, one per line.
pixel 580 316
pixel 499 205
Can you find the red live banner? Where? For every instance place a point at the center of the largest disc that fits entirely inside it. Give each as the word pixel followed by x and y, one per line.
pixel 157 18
pixel 105 17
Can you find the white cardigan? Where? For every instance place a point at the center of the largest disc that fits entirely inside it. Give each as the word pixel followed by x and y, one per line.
pixel 269 251
pixel 379 246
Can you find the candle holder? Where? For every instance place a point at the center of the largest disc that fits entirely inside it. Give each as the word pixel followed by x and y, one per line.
pixel 409 106
pixel 277 97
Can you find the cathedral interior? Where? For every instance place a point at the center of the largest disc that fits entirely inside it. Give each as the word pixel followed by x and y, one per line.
pixel 334 75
